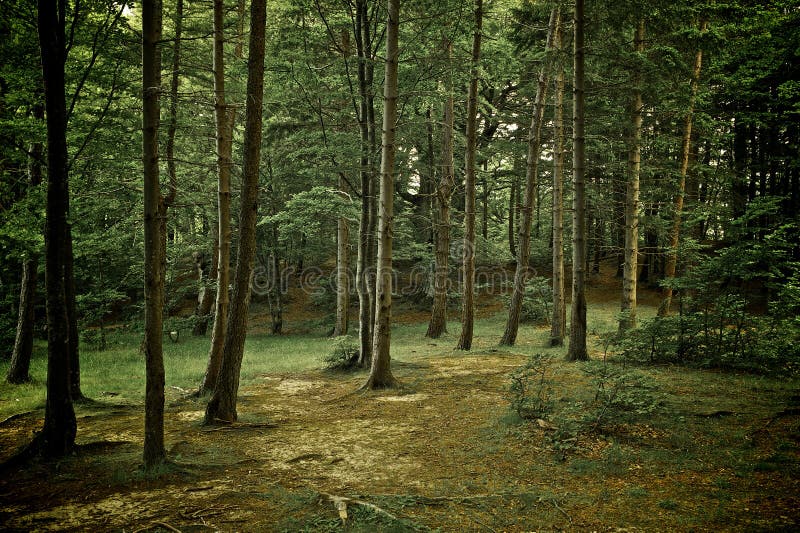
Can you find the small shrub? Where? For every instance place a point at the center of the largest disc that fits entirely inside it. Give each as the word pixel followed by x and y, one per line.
pixel 531 388
pixel 621 395
pixel 344 355
pixel 536 302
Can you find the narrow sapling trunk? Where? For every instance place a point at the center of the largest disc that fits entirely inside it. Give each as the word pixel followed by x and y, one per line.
pixel 468 261
pixel 380 375
pixel 577 350
pixel 674 234
pixel 558 324
pixel 631 266
pixel 532 169
pixel 222 406
pixel 441 219
pixel 18 370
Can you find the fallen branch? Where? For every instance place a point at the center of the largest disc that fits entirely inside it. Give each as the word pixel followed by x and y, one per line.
pixel 159 524
pixel 340 503
pixel 232 426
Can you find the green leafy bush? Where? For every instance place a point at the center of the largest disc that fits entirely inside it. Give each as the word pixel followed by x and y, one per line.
pixel 621 395
pixel 344 354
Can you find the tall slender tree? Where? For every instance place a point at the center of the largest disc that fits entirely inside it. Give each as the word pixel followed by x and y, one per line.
pixel 630 273
pixel 441 217
pixel 223 119
pixel 577 331
pixel 154 236
pixel 222 405
pixel 380 375
pixel 686 141
pixel 531 176
pixel 558 324
pixel 58 436
pixel 468 261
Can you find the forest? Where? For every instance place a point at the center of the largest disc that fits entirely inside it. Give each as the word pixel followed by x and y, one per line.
pixel 410 265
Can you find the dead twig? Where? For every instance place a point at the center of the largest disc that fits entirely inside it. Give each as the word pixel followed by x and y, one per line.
pixel 159 524
pixel 233 426
pixel 340 503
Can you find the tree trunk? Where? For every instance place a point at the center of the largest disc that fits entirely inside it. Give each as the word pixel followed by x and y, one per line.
pixel 675 230
pixel 468 263
pixel 365 278
pixel 208 294
pixel 577 331
pixel 558 325
pixel 532 170
pixel 72 319
pixel 224 128
pixel 380 375
pixel 630 268
pixel 58 435
pixel 18 371
pixel 154 211
pixel 222 406
pixel 441 218
pixel 342 275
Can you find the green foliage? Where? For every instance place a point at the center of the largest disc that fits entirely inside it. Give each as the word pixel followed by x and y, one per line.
pixel 531 389
pixel 536 302
pixel 621 395
pixel 344 354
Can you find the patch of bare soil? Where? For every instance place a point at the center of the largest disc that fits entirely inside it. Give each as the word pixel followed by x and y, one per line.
pixel 308 452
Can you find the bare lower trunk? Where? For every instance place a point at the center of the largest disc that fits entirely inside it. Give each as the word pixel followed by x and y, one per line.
pixel 630 266
pixel 558 326
pixel 468 261
pixel 380 375
pixel 532 169
pixel 18 371
pixel 207 296
pixel 223 118
pixel 441 275
pixel 342 278
pixel 577 332
pixel 222 405
pixel 154 211
pixel 674 234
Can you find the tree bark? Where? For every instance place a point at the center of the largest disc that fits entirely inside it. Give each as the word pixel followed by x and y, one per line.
pixel 58 435
pixel 222 406
pixel 441 219
pixel 154 212
pixel 380 375
pixel 558 324
pixel 468 262
pixel 72 318
pixel 630 269
pixel 532 170
pixel 674 234
pixel 342 275
pixel 224 129
pixel 577 332
pixel 365 275
pixel 19 369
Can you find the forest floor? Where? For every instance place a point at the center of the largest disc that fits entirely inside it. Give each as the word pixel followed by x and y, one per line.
pixel 444 452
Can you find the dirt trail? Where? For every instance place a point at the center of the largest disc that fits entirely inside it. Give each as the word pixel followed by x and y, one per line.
pixel 435 454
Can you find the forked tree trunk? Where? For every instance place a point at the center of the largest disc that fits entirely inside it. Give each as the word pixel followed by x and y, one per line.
pixel 558 324
pixel 19 369
pixel 577 331
pixel 441 220
pixel 532 170
pixel 630 267
pixel 380 375
pixel 674 234
pixel 222 406
pixel 154 212
pixel 58 435
pixel 468 261
pixel 224 129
